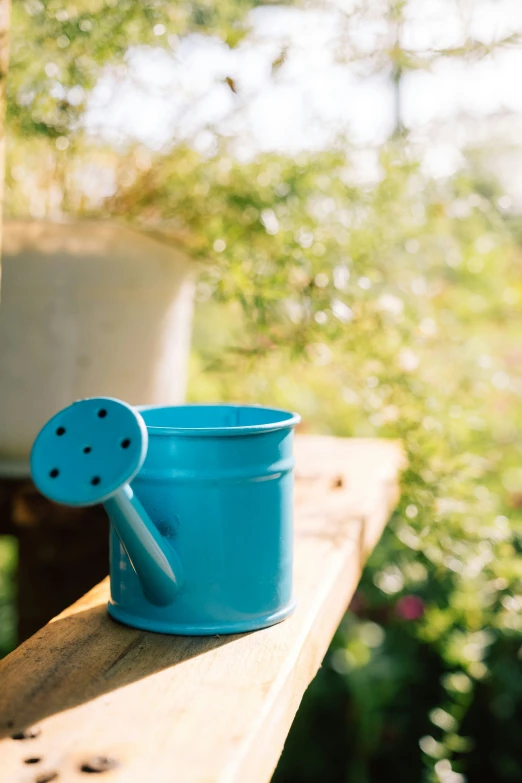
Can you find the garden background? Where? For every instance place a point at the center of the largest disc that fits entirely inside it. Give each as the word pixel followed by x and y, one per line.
pixel 344 174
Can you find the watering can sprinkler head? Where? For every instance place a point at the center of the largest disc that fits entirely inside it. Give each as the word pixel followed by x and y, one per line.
pixel 89 453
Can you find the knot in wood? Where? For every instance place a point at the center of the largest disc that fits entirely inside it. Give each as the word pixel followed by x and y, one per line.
pixel 31 733
pixel 99 764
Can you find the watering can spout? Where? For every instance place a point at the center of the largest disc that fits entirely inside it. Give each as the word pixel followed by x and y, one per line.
pixel 151 555
pixel 89 453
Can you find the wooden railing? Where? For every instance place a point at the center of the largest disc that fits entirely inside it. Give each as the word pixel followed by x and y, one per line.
pixel 85 695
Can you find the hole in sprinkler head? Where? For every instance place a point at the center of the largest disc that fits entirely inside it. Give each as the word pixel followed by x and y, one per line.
pixel 32 760
pixel 125 443
pixel 54 473
pixel 87 450
pixel 60 431
pixel 95 480
pixel 102 413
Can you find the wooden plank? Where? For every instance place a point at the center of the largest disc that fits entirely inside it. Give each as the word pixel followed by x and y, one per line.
pixel 197 710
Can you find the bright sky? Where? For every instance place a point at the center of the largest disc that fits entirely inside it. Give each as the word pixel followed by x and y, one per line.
pixel 180 92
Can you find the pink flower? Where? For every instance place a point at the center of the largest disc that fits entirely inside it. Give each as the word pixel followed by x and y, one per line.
pixel 410 607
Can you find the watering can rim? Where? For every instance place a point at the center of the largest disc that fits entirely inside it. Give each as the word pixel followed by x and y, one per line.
pixel 228 431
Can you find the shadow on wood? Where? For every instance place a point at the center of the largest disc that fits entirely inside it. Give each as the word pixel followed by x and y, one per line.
pixel 96 656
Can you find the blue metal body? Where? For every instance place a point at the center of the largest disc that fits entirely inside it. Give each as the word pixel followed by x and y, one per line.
pixel 202 538
pixel 217 482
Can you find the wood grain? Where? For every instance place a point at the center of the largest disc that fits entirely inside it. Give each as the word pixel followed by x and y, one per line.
pixel 137 706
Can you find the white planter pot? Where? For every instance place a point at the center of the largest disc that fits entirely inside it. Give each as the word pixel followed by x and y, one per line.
pixel 87 308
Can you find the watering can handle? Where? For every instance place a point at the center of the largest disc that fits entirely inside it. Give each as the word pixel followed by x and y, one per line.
pixel 87 454
pixel 153 559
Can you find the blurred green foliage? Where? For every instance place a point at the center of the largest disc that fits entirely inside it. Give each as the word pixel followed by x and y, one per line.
pixel 8 560
pixel 57 50
pixel 390 310
pixel 387 308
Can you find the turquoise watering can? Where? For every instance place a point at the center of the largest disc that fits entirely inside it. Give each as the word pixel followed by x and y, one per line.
pixel 200 501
